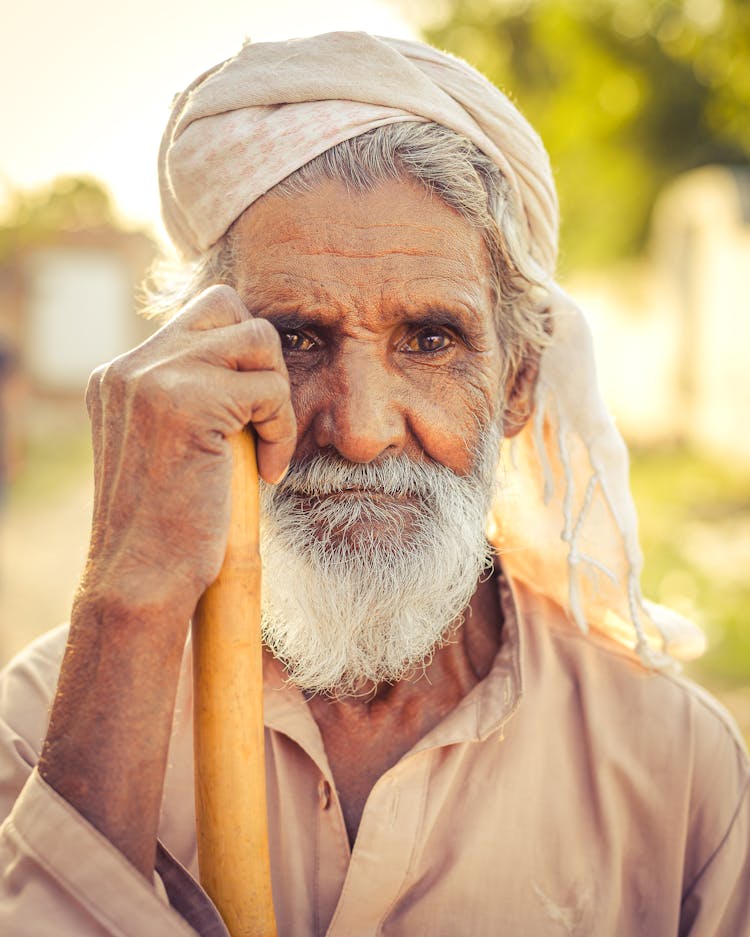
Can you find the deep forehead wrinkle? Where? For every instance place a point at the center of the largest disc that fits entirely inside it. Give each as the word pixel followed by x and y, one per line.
pixel 285 291
pixel 321 243
pixel 364 255
pixel 353 218
pixel 335 237
pixel 299 227
pixel 392 249
pixel 313 259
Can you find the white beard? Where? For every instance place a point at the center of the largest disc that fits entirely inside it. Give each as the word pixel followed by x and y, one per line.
pixel 361 587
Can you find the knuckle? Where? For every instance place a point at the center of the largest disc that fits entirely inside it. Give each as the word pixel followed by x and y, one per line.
pixel 134 379
pixel 97 374
pixel 279 386
pixel 106 383
pixel 263 348
pixel 264 333
pixel 93 387
pixel 115 379
pixel 220 294
pixel 159 383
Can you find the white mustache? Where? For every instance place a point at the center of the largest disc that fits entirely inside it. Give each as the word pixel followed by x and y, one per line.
pixel 327 474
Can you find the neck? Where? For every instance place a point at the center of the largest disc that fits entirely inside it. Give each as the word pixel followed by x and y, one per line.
pixel 366 734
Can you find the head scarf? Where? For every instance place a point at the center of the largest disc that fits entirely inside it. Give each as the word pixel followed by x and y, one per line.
pixel 564 522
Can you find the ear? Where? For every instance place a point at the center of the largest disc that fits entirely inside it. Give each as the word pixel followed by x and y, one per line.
pixel 519 396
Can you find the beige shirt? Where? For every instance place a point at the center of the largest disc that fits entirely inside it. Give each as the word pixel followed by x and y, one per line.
pixel 571 793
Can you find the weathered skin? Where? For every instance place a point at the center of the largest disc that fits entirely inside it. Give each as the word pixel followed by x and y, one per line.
pixel 379 341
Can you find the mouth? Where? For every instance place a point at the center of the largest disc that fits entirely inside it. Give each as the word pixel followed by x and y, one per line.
pixel 361 497
pixel 374 493
pixel 355 493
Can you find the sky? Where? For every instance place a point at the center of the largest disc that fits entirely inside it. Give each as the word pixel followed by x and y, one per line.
pixel 87 83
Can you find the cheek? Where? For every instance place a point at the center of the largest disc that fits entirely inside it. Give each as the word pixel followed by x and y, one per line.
pixel 450 411
pixel 309 398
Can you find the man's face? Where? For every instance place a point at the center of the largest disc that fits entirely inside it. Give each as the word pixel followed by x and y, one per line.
pixel 384 308
pixel 373 544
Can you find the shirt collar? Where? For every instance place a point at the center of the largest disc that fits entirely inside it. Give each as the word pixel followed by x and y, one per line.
pixel 483 711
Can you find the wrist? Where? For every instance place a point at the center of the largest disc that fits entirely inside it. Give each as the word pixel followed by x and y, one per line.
pixel 143 602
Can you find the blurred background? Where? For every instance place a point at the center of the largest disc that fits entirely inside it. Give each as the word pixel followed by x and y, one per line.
pixel 644 106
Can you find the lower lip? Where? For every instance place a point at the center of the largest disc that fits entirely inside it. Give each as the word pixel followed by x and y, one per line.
pixel 360 494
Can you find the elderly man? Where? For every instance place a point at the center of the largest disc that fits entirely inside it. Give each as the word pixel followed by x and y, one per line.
pixel 371 234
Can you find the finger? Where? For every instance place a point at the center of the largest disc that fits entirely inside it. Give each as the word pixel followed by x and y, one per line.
pixel 252 345
pixel 217 306
pixel 261 398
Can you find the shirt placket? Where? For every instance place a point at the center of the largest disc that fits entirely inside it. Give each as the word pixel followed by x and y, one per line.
pixel 356 890
pixel 387 837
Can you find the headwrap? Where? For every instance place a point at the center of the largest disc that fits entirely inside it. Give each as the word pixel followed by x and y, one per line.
pixel 564 521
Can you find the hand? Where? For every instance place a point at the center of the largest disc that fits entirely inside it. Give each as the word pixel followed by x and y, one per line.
pixel 161 417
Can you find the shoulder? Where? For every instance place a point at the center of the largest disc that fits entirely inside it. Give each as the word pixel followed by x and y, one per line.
pixel 665 705
pixel 672 751
pixel 657 709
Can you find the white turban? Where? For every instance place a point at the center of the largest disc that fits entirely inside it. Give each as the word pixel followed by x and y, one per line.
pixel 565 523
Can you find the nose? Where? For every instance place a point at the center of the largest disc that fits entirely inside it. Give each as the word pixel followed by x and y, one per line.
pixel 361 416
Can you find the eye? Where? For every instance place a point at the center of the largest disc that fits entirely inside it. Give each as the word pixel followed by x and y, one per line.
pixel 428 341
pixel 295 341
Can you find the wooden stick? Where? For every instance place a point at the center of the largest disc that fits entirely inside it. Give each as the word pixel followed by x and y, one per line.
pixel 230 782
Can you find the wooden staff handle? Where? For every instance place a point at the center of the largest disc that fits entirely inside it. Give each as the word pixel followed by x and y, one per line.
pixel 230 781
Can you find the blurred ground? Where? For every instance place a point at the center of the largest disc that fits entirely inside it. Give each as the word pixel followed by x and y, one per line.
pixel 45 528
pixel 695 529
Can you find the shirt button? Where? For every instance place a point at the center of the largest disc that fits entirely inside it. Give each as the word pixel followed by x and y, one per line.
pixel 324 794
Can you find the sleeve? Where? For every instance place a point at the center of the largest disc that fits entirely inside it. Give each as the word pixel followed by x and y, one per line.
pixel 58 875
pixel 718 902
pixel 716 898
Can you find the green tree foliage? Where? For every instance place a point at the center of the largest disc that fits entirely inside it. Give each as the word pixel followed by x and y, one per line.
pixel 625 93
pixel 68 203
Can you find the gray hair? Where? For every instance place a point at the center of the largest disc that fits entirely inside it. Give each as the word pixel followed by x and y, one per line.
pixel 448 166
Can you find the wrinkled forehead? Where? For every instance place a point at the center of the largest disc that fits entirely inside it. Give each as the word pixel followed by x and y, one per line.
pixel 395 245
pixel 392 215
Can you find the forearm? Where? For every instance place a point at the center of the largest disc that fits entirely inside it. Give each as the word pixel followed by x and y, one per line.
pixel 108 738
pixel 161 419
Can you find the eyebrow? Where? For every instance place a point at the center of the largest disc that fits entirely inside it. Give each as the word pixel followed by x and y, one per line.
pixel 446 316
pixel 294 320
